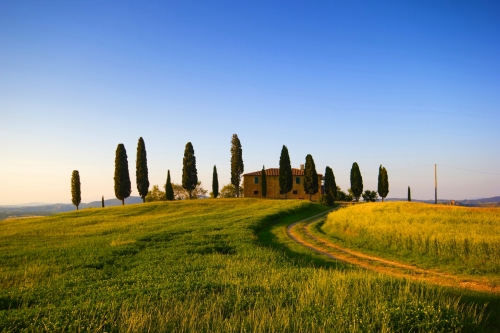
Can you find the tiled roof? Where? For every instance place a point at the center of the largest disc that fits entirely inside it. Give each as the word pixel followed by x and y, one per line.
pixel 276 172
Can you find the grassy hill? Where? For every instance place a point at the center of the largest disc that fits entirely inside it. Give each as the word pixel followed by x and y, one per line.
pixel 201 266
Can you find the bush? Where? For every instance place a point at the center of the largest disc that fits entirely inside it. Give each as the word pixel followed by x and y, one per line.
pixel 370 196
pixel 326 200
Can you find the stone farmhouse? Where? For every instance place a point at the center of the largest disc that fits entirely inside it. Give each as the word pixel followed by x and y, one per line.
pixel 252 185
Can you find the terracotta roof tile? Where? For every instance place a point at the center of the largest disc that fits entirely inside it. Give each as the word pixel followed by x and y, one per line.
pixel 276 172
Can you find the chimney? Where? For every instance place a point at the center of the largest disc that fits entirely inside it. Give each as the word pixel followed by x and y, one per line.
pixel 302 167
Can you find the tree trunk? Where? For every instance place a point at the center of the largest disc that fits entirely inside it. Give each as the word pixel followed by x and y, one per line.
pixel 144 200
pixel 76 207
pixel 310 197
pixel 123 202
pixel 190 195
pixel 382 199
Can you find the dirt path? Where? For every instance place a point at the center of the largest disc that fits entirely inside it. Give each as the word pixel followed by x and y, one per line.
pixel 300 233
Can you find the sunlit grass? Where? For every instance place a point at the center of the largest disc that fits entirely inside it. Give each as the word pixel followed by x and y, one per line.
pixel 199 266
pixel 460 239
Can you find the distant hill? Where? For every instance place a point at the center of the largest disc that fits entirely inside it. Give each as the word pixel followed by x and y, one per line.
pixel 466 202
pixel 49 209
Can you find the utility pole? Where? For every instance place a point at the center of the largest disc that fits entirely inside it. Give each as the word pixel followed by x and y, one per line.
pixel 435 185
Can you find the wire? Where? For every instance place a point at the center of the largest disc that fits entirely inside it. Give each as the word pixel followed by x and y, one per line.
pixel 423 166
pixel 488 173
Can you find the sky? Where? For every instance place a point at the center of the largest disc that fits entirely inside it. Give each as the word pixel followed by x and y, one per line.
pixel 405 84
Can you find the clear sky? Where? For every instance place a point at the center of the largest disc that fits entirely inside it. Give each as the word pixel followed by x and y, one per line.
pixel 399 83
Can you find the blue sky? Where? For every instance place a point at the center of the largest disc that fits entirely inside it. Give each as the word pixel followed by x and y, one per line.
pixel 403 84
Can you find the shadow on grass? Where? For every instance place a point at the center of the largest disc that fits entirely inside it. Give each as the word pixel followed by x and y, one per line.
pixel 296 252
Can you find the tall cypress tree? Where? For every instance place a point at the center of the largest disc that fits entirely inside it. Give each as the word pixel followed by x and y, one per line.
pixel 236 163
pixel 310 177
pixel 122 177
pixel 169 190
pixel 141 172
pixel 330 184
pixel 189 172
pixel 215 183
pixel 356 181
pixel 76 193
pixel 383 182
pixel 286 177
pixel 102 202
pixel 264 182
pixel 409 194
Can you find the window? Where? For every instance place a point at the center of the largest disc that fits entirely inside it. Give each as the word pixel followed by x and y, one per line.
pixel 294 191
pixel 297 180
pixel 255 180
pixel 255 192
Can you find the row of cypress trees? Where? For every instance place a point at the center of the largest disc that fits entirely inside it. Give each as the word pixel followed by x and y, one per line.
pixel 122 184
pixel 311 185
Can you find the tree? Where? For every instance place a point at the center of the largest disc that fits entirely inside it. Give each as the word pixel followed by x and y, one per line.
pixel 189 172
pixel 102 201
pixel 409 194
pixel 370 196
pixel 215 183
pixel 76 193
pixel 356 181
pixel 180 193
pixel 349 196
pixel 141 172
pixel 169 191
pixel 229 191
pixel 264 182
pixel 383 182
pixel 286 177
pixel 330 185
pixel 236 163
pixel 341 195
pixel 310 177
pixel 155 194
pixel 122 177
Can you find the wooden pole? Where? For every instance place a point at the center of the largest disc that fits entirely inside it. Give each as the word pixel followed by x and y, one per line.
pixel 435 185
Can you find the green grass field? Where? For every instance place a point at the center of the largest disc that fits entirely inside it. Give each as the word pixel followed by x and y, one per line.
pixel 220 265
pixel 458 239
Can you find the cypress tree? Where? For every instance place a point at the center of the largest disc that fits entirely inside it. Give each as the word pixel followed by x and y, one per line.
pixel 215 183
pixel 122 177
pixel 330 184
pixel 310 177
pixel 383 182
pixel 102 202
pixel 356 181
pixel 236 163
pixel 141 172
pixel 76 193
pixel 169 190
pixel 189 172
pixel 264 182
pixel 409 194
pixel 286 177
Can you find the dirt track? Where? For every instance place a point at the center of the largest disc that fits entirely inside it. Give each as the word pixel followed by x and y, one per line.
pixel 300 233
